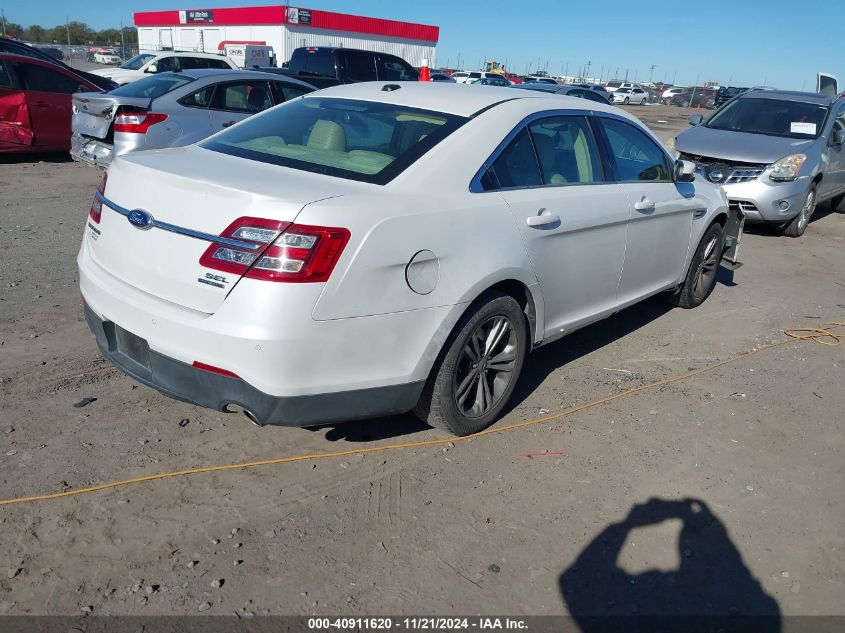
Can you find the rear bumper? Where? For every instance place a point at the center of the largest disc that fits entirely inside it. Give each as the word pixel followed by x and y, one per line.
pixel 92 151
pixel 196 386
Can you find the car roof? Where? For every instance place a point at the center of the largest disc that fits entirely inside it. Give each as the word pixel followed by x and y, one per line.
pixel 231 73
pixel 788 95
pixel 447 97
pixel 183 54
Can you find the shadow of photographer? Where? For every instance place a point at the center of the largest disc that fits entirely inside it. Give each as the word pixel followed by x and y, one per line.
pixel 711 589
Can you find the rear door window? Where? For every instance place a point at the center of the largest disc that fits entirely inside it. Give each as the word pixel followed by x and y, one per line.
pixel 41 79
pixel 392 69
pixel 6 79
pixel 243 96
pixel 566 150
pixel 286 91
pixel 516 166
pixel 360 67
pixel 198 99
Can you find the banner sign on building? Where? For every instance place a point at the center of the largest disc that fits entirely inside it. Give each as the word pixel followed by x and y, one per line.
pixel 204 16
pixel 299 16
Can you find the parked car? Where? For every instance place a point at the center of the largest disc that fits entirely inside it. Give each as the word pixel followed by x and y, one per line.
pixel 14 47
pixel 492 79
pixel 570 91
pixel 777 154
pixel 595 88
pixel 326 66
pixel 674 90
pixel 171 110
pixel 541 80
pixel 626 96
pixel 35 104
pixel 614 85
pixel 468 77
pixel 52 51
pixel 300 266
pixel 145 64
pixel 107 57
pixel 694 99
pixel 441 77
pixel 726 93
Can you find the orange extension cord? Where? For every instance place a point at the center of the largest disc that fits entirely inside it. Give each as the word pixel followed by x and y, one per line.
pixel 823 335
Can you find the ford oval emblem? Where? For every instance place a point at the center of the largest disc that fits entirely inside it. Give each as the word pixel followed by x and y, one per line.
pixel 140 219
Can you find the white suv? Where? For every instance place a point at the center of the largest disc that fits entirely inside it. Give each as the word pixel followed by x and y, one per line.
pixel 166 61
pixel 300 266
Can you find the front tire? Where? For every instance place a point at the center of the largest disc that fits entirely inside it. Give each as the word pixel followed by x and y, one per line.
pixel 627 101
pixel 798 225
pixel 701 276
pixel 475 375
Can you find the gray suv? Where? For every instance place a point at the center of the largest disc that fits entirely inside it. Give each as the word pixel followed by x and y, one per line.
pixel 776 154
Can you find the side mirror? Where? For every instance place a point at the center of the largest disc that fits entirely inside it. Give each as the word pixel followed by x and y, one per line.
pixel 684 171
pixel 837 137
pixel 695 119
pixel 152 68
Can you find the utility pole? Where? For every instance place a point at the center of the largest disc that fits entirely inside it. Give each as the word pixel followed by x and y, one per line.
pixel 651 68
pixel 122 42
pixel 589 63
pixel 3 15
pixel 566 72
pixel 674 77
pixel 692 96
pixel 635 75
pixel 67 26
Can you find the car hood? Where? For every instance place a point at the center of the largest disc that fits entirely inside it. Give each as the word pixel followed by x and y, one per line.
pixel 738 146
pixel 118 74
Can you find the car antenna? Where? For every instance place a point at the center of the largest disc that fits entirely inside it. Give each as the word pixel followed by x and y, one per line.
pixel 390 87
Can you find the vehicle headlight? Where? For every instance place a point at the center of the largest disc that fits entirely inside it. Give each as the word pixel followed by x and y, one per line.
pixel 787 168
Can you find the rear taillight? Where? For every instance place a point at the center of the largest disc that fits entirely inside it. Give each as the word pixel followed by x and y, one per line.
pixel 278 251
pixel 137 122
pixel 96 209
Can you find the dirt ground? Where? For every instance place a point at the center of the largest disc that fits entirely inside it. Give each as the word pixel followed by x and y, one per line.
pixel 481 526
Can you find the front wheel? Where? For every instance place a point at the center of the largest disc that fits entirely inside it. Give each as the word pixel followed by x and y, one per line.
pixel 627 101
pixel 798 224
pixel 478 370
pixel 701 276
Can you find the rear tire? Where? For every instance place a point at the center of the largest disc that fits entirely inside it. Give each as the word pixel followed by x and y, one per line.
pixel 798 225
pixel 701 276
pixel 476 373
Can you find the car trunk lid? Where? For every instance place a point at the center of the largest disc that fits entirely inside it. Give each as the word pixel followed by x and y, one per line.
pixel 192 195
pixel 94 114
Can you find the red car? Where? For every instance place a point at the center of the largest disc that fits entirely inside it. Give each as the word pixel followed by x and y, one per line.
pixel 35 104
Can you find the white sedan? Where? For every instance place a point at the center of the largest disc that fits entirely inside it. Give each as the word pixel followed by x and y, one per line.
pixel 107 57
pixel 299 265
pixel 627 96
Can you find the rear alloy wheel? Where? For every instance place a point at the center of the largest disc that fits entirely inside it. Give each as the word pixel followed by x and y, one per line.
pixel 701 276
pixel 475 377
pixel 798 224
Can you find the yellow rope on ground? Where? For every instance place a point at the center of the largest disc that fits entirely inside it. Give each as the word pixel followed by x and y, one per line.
pixel 823 335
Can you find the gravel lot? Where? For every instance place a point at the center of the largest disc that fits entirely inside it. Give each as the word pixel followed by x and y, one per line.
pixel 481 526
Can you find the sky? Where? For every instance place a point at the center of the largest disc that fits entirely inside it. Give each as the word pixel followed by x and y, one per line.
pixel 780 43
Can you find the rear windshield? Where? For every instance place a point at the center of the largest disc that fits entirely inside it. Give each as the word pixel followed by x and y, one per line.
pixel 358 140
pixel 136 62
pixel 152 87
pixel 790 119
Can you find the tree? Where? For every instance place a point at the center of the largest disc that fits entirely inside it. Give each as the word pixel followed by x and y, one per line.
pixel 14 30
pixel 34 33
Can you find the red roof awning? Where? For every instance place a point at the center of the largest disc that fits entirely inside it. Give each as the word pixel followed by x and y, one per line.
pixel 324 20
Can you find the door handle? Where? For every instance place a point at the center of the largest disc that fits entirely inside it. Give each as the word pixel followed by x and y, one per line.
pixel 644 205
pixel 42 104
pixel 544 219
pixel 229 123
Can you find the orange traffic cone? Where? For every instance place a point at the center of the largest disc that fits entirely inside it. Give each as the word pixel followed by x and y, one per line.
pixel 424 74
